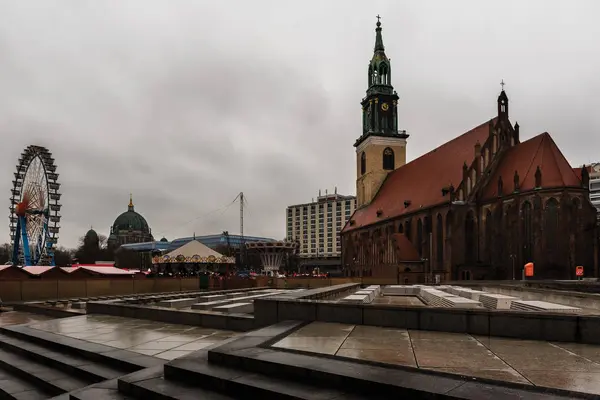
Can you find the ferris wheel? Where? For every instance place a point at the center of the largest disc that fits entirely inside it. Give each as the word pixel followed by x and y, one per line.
pixel 34 208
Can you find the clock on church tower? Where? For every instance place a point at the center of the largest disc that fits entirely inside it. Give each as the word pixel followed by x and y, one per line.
pixel 381 147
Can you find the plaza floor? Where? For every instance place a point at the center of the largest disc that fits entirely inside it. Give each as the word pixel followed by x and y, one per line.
pixel 20 318
pixel 166 341
pixel 567 366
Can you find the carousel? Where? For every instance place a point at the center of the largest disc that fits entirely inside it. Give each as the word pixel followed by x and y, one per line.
pixel 191 259
pixel 272 254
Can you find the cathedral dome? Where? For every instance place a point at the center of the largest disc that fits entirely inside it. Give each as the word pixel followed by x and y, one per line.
pixel 130 221
pixel 91 236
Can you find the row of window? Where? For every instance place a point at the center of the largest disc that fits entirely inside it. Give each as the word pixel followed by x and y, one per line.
pixel 492 219
pixel 347 205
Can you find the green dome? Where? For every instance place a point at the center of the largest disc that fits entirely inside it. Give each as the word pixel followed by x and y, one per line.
pixel 130 220
pixel 164 240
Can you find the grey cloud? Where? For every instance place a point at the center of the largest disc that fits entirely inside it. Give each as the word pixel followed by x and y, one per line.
pixel 186 103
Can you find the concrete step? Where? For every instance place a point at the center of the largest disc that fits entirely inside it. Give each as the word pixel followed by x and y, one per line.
pixel 107 390
pixel 111 357
pixel 241 384
pixel 151 384
pixel 14 387
pixel 74 364
pixel 45 378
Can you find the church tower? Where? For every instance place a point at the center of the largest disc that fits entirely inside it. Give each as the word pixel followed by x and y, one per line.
pixel 382 147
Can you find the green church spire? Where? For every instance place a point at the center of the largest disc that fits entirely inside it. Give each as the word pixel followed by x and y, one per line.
pixel 378 39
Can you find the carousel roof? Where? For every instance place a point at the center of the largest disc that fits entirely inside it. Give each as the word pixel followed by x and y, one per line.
pixel 194 248
pixel 194 252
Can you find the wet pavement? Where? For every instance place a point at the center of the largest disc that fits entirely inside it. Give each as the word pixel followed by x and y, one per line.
pixel 20 318
pixel 567 366
pixel 167 341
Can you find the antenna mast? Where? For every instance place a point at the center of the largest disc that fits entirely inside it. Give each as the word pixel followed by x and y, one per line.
pixel 241 196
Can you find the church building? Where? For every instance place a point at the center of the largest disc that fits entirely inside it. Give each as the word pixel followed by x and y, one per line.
pixel 477 207
pixel 129 227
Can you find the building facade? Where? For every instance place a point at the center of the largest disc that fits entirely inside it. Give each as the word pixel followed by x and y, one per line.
pixel 594 171
pixel 316 226
pixel 477 207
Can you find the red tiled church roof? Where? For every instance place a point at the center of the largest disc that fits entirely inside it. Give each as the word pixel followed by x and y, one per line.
pixel 525 158
pixel 421 180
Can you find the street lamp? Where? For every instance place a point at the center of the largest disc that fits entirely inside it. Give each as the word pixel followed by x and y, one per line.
pixel 512 257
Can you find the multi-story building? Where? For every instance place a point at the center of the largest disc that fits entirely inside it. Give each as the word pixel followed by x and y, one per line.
pixel 317 225
pixel 594 170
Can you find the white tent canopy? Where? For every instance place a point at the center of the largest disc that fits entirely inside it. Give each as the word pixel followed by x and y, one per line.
pixel 193 252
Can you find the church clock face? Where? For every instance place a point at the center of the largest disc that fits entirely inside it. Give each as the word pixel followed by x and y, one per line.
pixel 385 106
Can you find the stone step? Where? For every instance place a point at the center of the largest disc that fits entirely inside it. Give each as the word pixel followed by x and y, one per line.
pixel 241 384
pixel 72 363
pixel 355 299
pixel 535 305
pixel 150 383
pixel 48 379
pixel 496 301
pixel 100 391
pixel 13 387
pixel 108 356
pixel 245 308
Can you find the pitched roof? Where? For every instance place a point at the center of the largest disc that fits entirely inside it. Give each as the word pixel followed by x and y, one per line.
pixel 194 248
pixel 39 270
pixel 524 158
pixel 421 180
pixel 405 250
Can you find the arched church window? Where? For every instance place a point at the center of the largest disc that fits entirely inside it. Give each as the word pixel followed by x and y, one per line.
pixel 375 77
pixel 407 229
pixel 420 237
pixel 363 163
pixel 489 231
pixel 383 72
pixel 388 159
pixel 439 240
pixel 400 228
pixel 470 244
pixel 449 220
pixel 527 230
pixel 551 224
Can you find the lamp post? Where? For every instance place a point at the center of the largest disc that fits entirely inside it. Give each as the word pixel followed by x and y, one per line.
pixel 512 257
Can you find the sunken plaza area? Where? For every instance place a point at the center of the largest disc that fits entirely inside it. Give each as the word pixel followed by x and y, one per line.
pixel 472 340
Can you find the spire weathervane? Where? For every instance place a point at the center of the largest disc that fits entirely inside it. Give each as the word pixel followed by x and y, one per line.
pixel 502 84
pixel 378 18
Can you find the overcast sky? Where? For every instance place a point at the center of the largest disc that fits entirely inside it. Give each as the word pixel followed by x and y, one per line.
pixel 187 103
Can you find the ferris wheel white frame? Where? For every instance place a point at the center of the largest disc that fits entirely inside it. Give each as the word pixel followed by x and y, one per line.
pixel 34 208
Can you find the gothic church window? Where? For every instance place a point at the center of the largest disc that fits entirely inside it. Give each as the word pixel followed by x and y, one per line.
pixel 527 232
pixel 363 163
pixel 383 72
pixel 439 240
pixel 470 238
pixel 388 159
pixel 420 237
pixel 551 224
pixel 489 231
pixel 407 230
